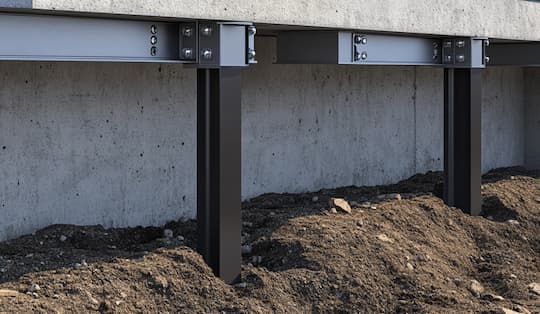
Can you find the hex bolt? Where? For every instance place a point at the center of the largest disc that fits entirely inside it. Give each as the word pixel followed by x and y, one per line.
pixel 448 44
pixel 187 32
pixel 486 42
pixel 486 59
pixel 460 58
pixel 460 43
pixel 187 53
pixel 359 39
pixel 153 29
pixel 207 54
pixel 153 51
pixel 364 55
pixel 251 54
pixel 448 58
pixel 153 40
pixel 252 30
pixel 207 31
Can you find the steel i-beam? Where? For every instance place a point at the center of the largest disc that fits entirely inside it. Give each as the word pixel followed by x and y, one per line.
pixel 464 59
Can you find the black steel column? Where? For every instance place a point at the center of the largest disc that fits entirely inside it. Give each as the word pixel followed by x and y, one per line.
pixel 462 139
pixel 219 170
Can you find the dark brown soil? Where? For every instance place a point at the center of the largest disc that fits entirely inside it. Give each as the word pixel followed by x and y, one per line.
pixel 388 256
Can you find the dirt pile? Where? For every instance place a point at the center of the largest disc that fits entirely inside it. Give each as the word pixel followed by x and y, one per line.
pixel 399 250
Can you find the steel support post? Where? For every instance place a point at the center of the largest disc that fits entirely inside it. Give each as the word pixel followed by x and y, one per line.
pixel 219 170
pixel 462 139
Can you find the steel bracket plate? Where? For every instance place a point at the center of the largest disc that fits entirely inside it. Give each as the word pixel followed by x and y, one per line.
pixel 214 44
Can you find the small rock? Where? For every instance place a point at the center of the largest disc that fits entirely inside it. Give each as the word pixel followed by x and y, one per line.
pixel 8 293
pixel 123 295
pixel 3 270
pixel 93 300
pixel 118 302
pixel 168 234
pixel 458 282
pixel 366 205
pixel 521 309
pixel 476 288
pixel 534 288
pixel 84 263
pixel 410 266
pixel 29 255
pixel 246 249
pixel 242 285
pixel 504 310
pixel 56 296
pixel 315 199
pixel 340 204
pixel 387 197
pixel 332 210
pixel 490 218
pixel 512 178
pixel 180 238
pixel 385 238
pixel 493 297
pixel 373 207
pixel 512 276
pixel 513 222
pixel 34 288
pixel 63 238
pixel 77 265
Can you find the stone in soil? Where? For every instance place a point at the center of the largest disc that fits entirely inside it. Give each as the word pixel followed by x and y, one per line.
pixel 534 288
pixel 476 288
pixel 340 204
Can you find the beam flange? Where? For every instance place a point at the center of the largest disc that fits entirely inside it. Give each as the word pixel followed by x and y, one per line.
pixel 514 54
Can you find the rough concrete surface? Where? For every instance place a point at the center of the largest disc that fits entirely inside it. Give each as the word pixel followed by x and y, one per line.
pixel 114 144
pixel 510 19
pixel 532 118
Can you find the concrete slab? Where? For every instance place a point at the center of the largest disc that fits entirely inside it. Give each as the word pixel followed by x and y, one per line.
pixel 508 19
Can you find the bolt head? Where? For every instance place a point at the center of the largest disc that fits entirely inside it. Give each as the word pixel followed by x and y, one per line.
pixel 448 58
pixel 251 54
pixel 187 32
pixel 252 30
pixel 187 53
pixel 460 58
pixel 363 55
pixel 153 29
pixel 359 39
pixel 153 51
pixel 460 43
pixel 207 54
pixel 486 42
pixel 448 44
pixel 486 59
pixel 207 31
pixel 153 40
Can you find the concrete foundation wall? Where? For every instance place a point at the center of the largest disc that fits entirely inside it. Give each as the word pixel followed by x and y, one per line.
pixel 114 144
pixel 509 19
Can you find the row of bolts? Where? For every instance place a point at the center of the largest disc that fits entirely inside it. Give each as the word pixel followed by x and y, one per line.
pixel 207 53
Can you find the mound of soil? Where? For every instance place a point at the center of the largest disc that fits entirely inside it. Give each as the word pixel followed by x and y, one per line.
pixel 401 250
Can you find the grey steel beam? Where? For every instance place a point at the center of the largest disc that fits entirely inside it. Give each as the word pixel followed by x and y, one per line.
pixel 353 48
pixel 514 54
pixel 345 47
pixel 62 38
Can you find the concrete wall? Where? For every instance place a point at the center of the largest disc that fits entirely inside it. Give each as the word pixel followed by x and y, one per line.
pixel 114 144
pixel 510 19
pixel 532 118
